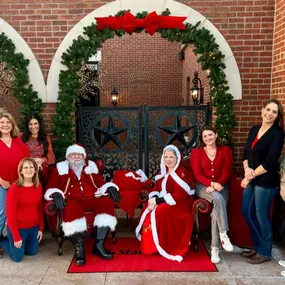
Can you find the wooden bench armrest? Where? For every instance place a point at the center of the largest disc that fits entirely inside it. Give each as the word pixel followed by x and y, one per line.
pixel 200 206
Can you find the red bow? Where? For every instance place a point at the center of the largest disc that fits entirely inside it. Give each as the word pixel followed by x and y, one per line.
pixel 130 23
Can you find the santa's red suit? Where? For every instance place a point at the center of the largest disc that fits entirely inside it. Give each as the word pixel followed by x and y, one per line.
pixel 169 226
pixel 83 194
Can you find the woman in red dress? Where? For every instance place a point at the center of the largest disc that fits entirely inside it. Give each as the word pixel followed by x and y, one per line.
pixel 39 144
pixel 166 223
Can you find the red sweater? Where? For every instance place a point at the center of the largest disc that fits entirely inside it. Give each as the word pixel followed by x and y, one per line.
pixel 24 209
pixel 10 158
pixel 205 171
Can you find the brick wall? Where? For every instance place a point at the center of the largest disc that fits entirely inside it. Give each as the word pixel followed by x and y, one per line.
pixel 144 69
pixel 246 25
pixel 48 113
pixel 278 72
pixel 190 65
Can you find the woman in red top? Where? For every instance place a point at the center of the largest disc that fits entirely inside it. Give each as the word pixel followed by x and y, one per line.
pixel 12 150
pixel 212 165
pixel 166 224
pixel 39 144
pixel 24 213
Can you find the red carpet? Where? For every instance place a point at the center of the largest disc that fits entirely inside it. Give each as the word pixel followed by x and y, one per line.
pixel 129 259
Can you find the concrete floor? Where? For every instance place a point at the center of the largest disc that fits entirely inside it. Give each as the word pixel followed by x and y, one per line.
pixel 47 268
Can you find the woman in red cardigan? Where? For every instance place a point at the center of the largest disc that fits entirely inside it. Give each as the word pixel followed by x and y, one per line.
pixel 166 223
pixel 12 150
pixel 24 213
pixel 39 144
pixel 212 165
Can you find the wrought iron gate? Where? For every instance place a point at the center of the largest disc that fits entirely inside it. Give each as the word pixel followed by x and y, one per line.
pixel 134 137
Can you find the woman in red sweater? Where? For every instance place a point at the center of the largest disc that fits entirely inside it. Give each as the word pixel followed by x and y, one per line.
pixel 24 213
pixel 212 165
pixel 39 144
pixel 12 150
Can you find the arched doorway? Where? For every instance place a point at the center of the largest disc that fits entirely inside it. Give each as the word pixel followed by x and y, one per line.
pixel 227 58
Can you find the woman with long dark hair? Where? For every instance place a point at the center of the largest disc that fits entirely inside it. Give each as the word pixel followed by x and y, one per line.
pixel 39 144
pixel 261 179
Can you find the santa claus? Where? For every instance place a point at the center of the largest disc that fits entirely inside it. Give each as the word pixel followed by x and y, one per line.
pixel 76 187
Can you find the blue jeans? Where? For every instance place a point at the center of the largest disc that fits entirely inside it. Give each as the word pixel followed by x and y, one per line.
pixel 30 244
pixel 256 205
pixel 3 194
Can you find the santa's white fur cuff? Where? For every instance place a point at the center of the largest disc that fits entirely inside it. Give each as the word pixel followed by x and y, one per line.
pixel 51 191
pixel 105 220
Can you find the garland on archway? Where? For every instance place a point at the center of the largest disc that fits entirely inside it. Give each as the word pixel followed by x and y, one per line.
pixel 210 57
pixel 27 97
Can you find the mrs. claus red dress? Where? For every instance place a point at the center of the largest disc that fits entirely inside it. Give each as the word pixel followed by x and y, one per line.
pixel 170 223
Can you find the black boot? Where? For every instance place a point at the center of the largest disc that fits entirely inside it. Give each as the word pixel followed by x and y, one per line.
pixel 78 242
pixel 98 248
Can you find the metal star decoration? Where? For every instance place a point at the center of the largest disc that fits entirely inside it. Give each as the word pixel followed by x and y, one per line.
pixel 176 132
pixel 110 133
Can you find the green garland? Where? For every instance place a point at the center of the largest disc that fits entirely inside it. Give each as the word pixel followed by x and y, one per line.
pixel 82 49
pixel 27 97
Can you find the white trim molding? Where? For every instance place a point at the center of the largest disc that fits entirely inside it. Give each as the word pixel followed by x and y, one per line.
pixel 135 6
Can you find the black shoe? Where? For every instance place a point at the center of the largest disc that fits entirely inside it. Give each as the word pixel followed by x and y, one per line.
pixel 98 248
pixel 78 242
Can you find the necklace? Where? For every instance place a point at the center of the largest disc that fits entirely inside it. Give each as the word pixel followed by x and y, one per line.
pixel 211 155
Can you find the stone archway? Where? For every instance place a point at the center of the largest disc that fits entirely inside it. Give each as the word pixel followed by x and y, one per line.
pixel 35 73
pixel 135 6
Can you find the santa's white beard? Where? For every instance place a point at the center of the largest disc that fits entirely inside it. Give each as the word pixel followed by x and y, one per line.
pixel 76 166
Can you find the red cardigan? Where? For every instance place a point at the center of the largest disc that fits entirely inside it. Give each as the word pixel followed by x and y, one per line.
pixel 206 171
pixel 10 158
pixel 24 209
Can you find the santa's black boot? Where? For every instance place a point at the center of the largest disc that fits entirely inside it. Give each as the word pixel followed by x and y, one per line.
pixel 98 248
pixel 78 242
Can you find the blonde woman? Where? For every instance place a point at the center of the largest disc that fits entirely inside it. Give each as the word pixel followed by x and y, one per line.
pixel 24 213
pixel 12 150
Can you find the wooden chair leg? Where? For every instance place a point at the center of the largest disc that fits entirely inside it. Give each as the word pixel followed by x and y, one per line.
pixel 1 252
pixel 195 241
pixel 60 241
pixel 113 234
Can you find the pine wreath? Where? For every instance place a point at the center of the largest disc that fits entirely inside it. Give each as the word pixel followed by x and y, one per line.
pixel 210 57
pixel 21 89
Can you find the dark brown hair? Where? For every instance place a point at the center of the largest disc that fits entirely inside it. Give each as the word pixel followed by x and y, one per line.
pixel 280 117
pixel 208 128
pixel 42 136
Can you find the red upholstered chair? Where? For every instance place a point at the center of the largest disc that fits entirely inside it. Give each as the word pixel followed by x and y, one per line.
pixel 131 190
pixel 54 216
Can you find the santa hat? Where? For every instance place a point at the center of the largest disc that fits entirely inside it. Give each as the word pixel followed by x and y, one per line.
pixel 75 149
